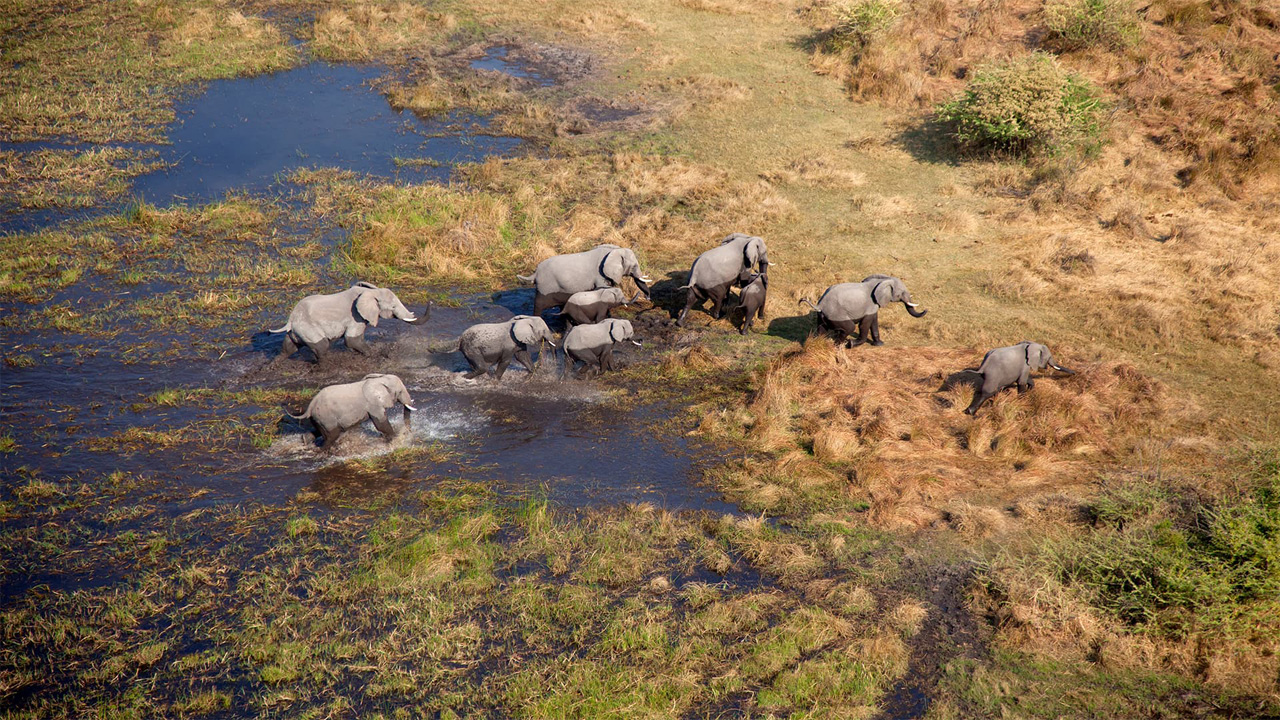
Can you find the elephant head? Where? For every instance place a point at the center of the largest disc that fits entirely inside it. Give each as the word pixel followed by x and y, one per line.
pixel 621 262
pixel 755 255
pixel 384 391
pixel 1039 357
pixel 615 296
pixel 887 289
pixel 621 330
pixel 375 302
pixel 531 330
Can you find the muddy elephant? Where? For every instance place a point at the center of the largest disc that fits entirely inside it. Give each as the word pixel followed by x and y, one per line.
pixel 318 320
pixel 338 408
pixel 593 344
pixel 752 300
pixel 716 270
pixel 1008 366
pixel 489 347
pixel 603 266
pixel 593 306
pixel 847 306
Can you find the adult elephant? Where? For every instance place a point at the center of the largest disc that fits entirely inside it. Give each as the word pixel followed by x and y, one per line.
pixel 1008 366
pixel 603 266
pixel 337 408
pixel 716 270
pixel 318 320
pixel 849 306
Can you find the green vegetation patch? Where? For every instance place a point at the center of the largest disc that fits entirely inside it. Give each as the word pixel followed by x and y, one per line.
pixel 1026 106
pixel 1077 24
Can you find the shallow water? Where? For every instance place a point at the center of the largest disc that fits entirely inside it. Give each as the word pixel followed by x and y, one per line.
pixel 574 442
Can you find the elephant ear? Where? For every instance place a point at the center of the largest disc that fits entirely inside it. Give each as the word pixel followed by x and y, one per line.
pixel 367 308
pixel 378 393
pixel 524 331
pixel 882 294
pixel 611 267
pixel 1040 354
pixel 613 324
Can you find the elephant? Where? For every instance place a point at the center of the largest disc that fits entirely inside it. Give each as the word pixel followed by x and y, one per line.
pixel 318 320
pixel 593 344
pixel 1007 366
pixel 592 306
pixel 752 300
pixel 603 266
pixel 338 408
pixel 848 305
pixel 489 344
pixel 716 270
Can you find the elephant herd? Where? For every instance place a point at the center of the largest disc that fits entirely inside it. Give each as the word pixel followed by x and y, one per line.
pixel 584 288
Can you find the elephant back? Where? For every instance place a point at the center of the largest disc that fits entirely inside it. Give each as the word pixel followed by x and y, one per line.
pixel 846 301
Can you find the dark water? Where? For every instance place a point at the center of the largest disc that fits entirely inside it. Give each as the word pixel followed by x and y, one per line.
pixel 575 442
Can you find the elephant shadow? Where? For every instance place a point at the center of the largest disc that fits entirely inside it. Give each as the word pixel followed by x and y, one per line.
pixel 961 378
pixel 797 328
pixel 667 293
pixel 518 300
pixel 267 344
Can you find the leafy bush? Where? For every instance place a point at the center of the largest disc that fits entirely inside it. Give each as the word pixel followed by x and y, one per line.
pixel 858 22
pixel 1172 564
pixel 1075 24
pixel 1028 106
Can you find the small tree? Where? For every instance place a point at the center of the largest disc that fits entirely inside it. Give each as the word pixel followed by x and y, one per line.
pixel 1075 24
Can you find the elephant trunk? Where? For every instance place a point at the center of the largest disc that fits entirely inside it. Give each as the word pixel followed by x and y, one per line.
pixel 911 309
pixel 1062 369
pixel 425 316
pixel 642 282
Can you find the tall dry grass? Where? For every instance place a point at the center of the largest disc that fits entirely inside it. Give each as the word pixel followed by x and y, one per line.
pixel 883 427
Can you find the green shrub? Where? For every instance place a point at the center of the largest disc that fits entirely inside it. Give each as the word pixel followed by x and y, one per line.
pixel 1178 563
pixel 1075 24
pixel 858 22
pixel 1027 106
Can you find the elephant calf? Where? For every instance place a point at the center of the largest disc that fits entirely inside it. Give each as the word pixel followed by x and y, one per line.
pixel 592 306
pixel 752 300
pixel 338 408
pixel 593 344
pixel 1008 366
pixel 489 347
pixel 847 306
pixel 318 320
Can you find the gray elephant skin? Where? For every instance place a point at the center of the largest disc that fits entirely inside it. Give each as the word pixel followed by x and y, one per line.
pixel 1008 366
pixel 752 300
pixel 593 306
pixel 318 320
pixel 338 408
pixel 716 270
pixel 558 278
pixel 489 347
pixel 849 306
pixel 593 344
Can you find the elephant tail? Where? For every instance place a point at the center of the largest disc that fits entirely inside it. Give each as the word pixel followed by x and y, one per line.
pixel 287 327
pixel 528 279
pixel 306 415
pixel 805 301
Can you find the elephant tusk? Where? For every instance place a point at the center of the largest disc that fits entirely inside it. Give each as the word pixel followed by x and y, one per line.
pixel 551 343
pixel 772 264
pixel 646 279
pixel 407 406
pixel 411 318
pixel 636 343
pixel 913 305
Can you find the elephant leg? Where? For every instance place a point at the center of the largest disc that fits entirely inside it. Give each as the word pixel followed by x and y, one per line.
pixel 502 368
pixel 522 356
pixel 875 330
pixel 981 395
pixel 359 344
pixel 477 363
pixel 717 300
pixel 321 349
pixel 606 359
pixel 863 326
pixel 289 346
pixel 540 303
pixel 331 436
pixel 384 426
pixel 690 300
pixel 408 421
pixel 760 312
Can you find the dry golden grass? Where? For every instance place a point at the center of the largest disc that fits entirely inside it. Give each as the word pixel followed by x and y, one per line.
pixel 816 171
pixel 367 30
pixel 881 425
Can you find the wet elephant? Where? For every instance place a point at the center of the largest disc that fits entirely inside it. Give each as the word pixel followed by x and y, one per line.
pixel 604 266
pixel 318 320
pixel 338 408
